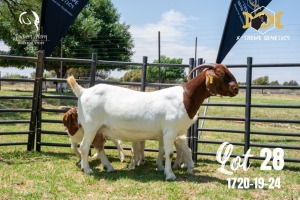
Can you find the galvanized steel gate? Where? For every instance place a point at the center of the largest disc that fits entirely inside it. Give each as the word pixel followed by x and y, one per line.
pixel 36 121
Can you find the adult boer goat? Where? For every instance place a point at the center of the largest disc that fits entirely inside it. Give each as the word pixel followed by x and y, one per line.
pixel 129 115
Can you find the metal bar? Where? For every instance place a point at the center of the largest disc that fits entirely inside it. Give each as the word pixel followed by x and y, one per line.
pixel 14 133
pixel 144 74
pixel 52 121
pixel 248 106
pixel 275 120
pixel 191 129
pixel 55 110
pixel 13 143
pixel 223 118
pixel 54 132
pixel 105 62
pixel 14 121
pixel 274 106
pixel 59 97
pixel 276 134
pixel 222 130
pixel 275 146
pixel 35 101
pixel 16 97
pixel 17 80
pixel 7 57
pixel 15 110
pixel 93 70
pixel 266 65
pixel 220 142
pixel 75 60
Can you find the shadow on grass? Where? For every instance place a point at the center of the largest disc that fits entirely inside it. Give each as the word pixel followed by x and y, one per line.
pixel 148 172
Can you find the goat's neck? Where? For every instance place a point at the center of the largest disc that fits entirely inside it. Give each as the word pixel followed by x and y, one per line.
pixel 195 93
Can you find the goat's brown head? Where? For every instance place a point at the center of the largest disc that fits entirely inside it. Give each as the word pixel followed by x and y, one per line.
pixel 70 121
pixel 219 80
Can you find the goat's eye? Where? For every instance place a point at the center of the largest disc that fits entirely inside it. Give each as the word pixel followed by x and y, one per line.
pixel 227 78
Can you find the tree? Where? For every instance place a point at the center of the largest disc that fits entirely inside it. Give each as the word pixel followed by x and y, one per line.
pixel 132 76
pixel 261 81
pixel 168 74
pixel 96 30
pixel 274 83
pixel 291 83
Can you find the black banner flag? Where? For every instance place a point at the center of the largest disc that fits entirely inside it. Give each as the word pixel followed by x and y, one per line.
pixel 233 29
pixel 56 17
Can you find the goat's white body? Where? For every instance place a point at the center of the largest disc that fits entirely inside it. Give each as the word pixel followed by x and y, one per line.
pixel 128 115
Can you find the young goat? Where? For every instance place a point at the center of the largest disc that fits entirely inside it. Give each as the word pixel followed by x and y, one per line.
pixel 75 132
pixel 129 115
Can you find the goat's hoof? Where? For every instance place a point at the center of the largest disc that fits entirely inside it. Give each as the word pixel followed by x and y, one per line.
pixel 171 177
pixel 87 171
pixel 160 168
pixel 78 163
pixel 176 166
pixel 131 166
pixel 108 168
pixel 190 170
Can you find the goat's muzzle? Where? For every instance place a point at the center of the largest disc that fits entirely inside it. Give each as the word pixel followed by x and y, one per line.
pixel 233 89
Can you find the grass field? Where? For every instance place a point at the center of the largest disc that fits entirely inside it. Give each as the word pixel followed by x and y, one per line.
pixel 52 173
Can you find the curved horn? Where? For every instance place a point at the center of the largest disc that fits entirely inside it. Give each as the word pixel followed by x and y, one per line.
pixel 204 66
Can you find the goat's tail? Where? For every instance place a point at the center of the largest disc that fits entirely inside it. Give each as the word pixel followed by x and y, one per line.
pixel 77 89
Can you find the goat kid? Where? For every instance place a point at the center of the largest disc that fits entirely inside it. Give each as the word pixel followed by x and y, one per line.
pixel 76 133
pixel 129 115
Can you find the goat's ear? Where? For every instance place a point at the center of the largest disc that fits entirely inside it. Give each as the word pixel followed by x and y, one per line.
pixel 211 79
pixel 66 120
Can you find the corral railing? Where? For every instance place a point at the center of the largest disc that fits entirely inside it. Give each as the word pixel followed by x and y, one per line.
pixel 248 119
pixel 42 126
pixel 42 131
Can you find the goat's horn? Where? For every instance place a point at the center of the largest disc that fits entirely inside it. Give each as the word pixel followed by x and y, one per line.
pixel 204 66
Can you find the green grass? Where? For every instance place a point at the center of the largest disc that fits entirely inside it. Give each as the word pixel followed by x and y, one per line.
pixel 52 173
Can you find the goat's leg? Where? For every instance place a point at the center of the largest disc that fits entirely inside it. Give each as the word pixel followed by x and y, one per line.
pixel 159 161
pixel 105 162
pixel 179 155
pixel 187 154
pixel 142 153
pixel 85 147
pixel 75 150
pixel 169 138
pixel 135 155
pixel 118 144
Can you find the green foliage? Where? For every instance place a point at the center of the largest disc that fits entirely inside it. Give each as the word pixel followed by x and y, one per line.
pixel 261 81
pixel 167 74
pixel 274 83
pixel 96 30
pixel 291 83
pixel 132 76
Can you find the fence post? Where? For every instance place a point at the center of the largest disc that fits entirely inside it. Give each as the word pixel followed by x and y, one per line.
pixel 93 69
pixel 248 105
pixel 196 126
pixel 191 129
pixel 144 74
pixel 35 101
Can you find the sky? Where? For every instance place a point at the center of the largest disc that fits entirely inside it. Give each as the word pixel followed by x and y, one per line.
pixel 180 22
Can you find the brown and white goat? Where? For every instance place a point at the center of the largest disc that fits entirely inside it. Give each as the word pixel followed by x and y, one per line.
pixel 129 115
pixel 75 132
